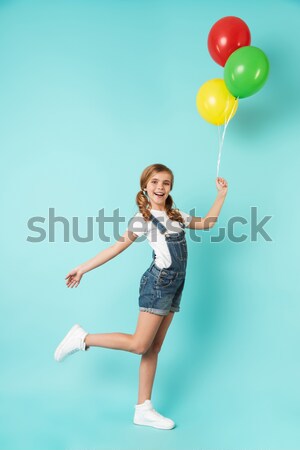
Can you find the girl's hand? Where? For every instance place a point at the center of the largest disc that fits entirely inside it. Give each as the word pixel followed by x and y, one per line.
pixel 73 278
pixel 222 185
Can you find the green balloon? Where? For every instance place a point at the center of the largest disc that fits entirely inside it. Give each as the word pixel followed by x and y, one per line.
pixel 246 71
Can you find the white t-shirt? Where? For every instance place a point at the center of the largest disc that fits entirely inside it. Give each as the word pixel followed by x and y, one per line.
pixel 156 239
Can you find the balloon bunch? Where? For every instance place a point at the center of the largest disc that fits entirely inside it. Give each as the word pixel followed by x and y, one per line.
pixel 246 70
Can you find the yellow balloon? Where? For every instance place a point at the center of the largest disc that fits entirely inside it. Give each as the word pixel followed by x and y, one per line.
pixel 215 103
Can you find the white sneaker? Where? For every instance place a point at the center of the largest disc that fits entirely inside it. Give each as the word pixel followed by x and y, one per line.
pixel 145 414
pixel 72 342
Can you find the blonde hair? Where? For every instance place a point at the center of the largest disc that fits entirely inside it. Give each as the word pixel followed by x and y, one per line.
pixel 142 200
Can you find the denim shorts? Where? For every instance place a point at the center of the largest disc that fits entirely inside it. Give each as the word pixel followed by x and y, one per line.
pixel 161 290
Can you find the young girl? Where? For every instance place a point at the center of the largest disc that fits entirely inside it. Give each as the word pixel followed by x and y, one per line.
pixel 160 287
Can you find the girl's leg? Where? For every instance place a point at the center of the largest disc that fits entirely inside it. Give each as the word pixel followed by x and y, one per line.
pixel 149 361
pixel 139 342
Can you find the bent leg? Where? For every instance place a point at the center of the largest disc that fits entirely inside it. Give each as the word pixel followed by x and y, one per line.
pixel 139 342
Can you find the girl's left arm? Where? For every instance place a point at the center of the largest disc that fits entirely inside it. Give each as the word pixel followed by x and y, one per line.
pixel 204 223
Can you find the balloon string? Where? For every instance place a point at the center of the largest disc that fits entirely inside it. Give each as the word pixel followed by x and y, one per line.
pixel 220 149
pixel 221 139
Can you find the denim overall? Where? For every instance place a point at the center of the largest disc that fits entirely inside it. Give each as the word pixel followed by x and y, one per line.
pixel 161 289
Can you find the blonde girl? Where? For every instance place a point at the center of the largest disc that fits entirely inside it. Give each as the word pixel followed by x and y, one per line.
pixel 161 285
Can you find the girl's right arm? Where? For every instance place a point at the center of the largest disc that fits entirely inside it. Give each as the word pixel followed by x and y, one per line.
pixel 74 276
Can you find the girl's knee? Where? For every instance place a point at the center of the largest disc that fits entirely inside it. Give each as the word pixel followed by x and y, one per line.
pixel 138 346
pixel 139 349
pixel 155 347
pixel 142 349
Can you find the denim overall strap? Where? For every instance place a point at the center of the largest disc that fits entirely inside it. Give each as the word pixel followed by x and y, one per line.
pixel 160 226
pixel 177 247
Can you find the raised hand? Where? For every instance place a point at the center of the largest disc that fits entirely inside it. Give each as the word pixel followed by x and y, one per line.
pixel 222 185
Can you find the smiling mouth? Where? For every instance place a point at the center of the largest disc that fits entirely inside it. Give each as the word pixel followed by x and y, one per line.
pixel 159 195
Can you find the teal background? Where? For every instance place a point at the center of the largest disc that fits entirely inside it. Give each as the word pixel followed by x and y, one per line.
pixel 90 93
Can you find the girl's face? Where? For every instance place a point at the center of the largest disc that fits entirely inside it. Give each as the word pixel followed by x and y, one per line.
pixel 158 188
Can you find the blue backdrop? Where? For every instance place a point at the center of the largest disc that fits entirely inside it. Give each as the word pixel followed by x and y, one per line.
pixel 90 94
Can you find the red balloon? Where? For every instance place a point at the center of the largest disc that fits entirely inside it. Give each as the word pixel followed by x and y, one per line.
pixel 226 36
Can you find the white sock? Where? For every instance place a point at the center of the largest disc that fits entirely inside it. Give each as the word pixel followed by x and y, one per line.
pixel 141 405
